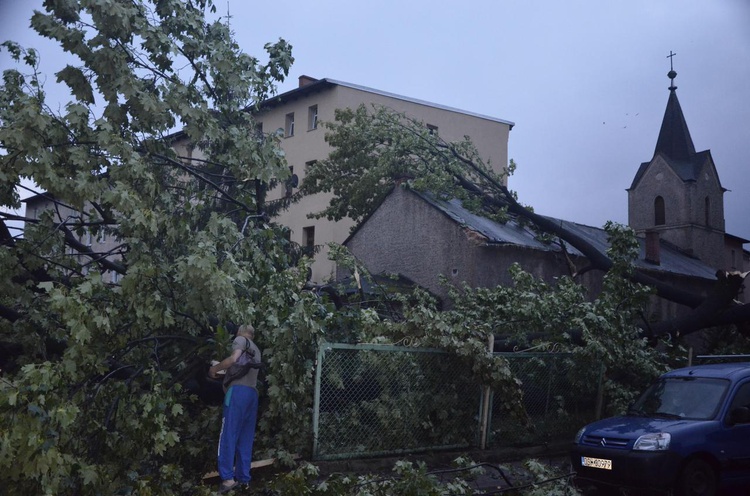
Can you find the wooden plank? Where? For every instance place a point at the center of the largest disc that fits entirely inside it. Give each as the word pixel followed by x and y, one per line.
pixel 254 464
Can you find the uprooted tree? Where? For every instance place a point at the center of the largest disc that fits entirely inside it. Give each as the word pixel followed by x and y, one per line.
pixel 377 148
pixel 103 387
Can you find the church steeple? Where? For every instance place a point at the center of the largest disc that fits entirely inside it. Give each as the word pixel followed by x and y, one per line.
pixel 674 137
pixel 677 195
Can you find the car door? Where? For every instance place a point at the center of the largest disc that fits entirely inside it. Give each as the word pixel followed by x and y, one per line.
pixel 734 440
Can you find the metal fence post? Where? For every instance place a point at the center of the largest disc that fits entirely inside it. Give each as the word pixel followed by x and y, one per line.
pixel 316 405
pixel 485 416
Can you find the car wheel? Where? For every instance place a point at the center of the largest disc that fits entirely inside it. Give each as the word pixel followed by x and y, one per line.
pixel 698 478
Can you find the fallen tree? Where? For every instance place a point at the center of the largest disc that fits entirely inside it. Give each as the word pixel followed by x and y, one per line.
pixel 376 149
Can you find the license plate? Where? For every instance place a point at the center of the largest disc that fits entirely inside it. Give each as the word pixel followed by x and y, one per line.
pixel 596 463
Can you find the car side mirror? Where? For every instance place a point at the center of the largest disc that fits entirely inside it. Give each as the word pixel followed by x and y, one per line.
pixel 739 415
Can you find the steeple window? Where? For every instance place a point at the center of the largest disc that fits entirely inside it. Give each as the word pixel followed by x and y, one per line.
pixel 659 211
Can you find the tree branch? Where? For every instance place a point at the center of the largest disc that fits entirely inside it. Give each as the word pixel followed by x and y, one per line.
pixel 83 249
pixel 213 185
pixel 716 309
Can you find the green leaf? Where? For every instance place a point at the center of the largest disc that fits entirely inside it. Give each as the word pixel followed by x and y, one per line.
pixel 77 82
pixel 46 286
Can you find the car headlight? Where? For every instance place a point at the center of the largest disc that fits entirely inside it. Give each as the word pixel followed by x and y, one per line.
pixel 653 442
pixel 579 435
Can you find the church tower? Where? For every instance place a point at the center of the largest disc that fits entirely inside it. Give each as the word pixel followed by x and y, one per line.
pixel 677 195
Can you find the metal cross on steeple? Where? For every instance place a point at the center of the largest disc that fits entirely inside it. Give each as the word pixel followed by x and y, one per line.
pixel 671 74
pixel 229 17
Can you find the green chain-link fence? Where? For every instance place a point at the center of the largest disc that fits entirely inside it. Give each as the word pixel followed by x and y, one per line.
pixel 382 400
pixel 559 398
pixel 377 400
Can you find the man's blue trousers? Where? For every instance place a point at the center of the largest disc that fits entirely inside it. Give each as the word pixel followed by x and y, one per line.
pixel 237 433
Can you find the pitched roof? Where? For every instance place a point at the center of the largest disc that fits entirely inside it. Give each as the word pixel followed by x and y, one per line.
pixel 316 85
pixel 676 146
pixel 687 170
pixel 516 233
pixel 313 85
pixel 674 137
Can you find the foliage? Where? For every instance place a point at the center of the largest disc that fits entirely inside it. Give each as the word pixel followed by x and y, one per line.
pixel 606 322
pixel 108 392
pixel 601 330
pixel 408 478
pixel 418 321
pixel 377 148
pixel 374 149
pixel 532 478
pixel 548 481
pixel 609 328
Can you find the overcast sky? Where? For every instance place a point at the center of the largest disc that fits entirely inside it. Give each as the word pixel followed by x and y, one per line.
pixel 584 81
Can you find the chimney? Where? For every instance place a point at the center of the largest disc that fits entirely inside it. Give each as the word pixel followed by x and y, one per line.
pixel 652 247
pixel 305 80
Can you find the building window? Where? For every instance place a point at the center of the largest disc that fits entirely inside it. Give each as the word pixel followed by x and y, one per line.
pixel 312 118
pixel 659 212
pixel 259 130
pixel 289 126
pixel 708 211
pixel 308 239
pixel 433 130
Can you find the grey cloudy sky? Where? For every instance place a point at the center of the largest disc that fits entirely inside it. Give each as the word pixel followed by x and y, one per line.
pixel 584 80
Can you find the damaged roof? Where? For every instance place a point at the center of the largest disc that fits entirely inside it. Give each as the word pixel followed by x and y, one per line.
pixel 513 232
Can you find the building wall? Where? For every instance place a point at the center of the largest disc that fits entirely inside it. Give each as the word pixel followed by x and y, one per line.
pixel 408 236
pixel 306 145
pixel 708 186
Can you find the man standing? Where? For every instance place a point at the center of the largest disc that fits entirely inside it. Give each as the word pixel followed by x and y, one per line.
pixel 240 414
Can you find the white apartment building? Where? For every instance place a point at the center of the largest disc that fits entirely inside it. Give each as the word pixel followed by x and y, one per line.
pixel 300 112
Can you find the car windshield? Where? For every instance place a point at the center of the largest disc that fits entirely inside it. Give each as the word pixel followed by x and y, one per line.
pixel 695 398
